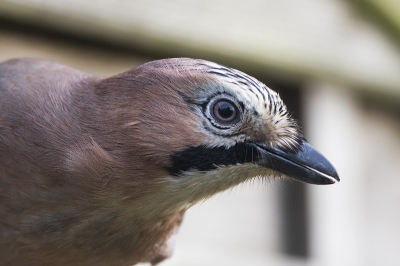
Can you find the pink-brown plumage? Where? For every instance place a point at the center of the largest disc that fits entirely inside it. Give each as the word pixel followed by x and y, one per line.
pixel 88 166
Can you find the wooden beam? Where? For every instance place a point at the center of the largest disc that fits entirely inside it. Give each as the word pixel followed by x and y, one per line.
pixel 322 40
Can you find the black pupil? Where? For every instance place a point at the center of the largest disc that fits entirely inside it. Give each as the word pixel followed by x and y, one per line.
pixel 225 111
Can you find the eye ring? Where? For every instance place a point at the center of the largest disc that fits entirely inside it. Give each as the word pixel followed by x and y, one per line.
pixel 225 111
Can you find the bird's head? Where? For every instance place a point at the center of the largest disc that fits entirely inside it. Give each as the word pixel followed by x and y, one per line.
pixel 210 127
pixel 100 171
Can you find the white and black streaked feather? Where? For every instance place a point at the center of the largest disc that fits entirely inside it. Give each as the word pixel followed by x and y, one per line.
pixel 265 117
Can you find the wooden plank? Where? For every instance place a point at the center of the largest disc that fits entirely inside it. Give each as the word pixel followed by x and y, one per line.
pixel 95 60
pixel 319 39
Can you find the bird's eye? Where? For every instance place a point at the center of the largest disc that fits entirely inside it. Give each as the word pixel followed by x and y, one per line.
pixel 225 111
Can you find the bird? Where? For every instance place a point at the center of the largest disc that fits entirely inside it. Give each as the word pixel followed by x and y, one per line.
pixel 100 171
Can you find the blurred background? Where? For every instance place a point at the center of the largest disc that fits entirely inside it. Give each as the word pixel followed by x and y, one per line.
pixel 335 63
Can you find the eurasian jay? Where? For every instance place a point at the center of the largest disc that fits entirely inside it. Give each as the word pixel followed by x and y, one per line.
pixel 99 171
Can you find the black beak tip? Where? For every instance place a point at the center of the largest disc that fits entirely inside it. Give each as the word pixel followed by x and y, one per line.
pixel 336 176
pixel 307 165
pixel 333 178
pixel 321 170
pixel 319 178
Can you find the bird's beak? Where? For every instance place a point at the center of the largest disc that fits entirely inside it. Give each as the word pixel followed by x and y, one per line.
pixel 307 165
